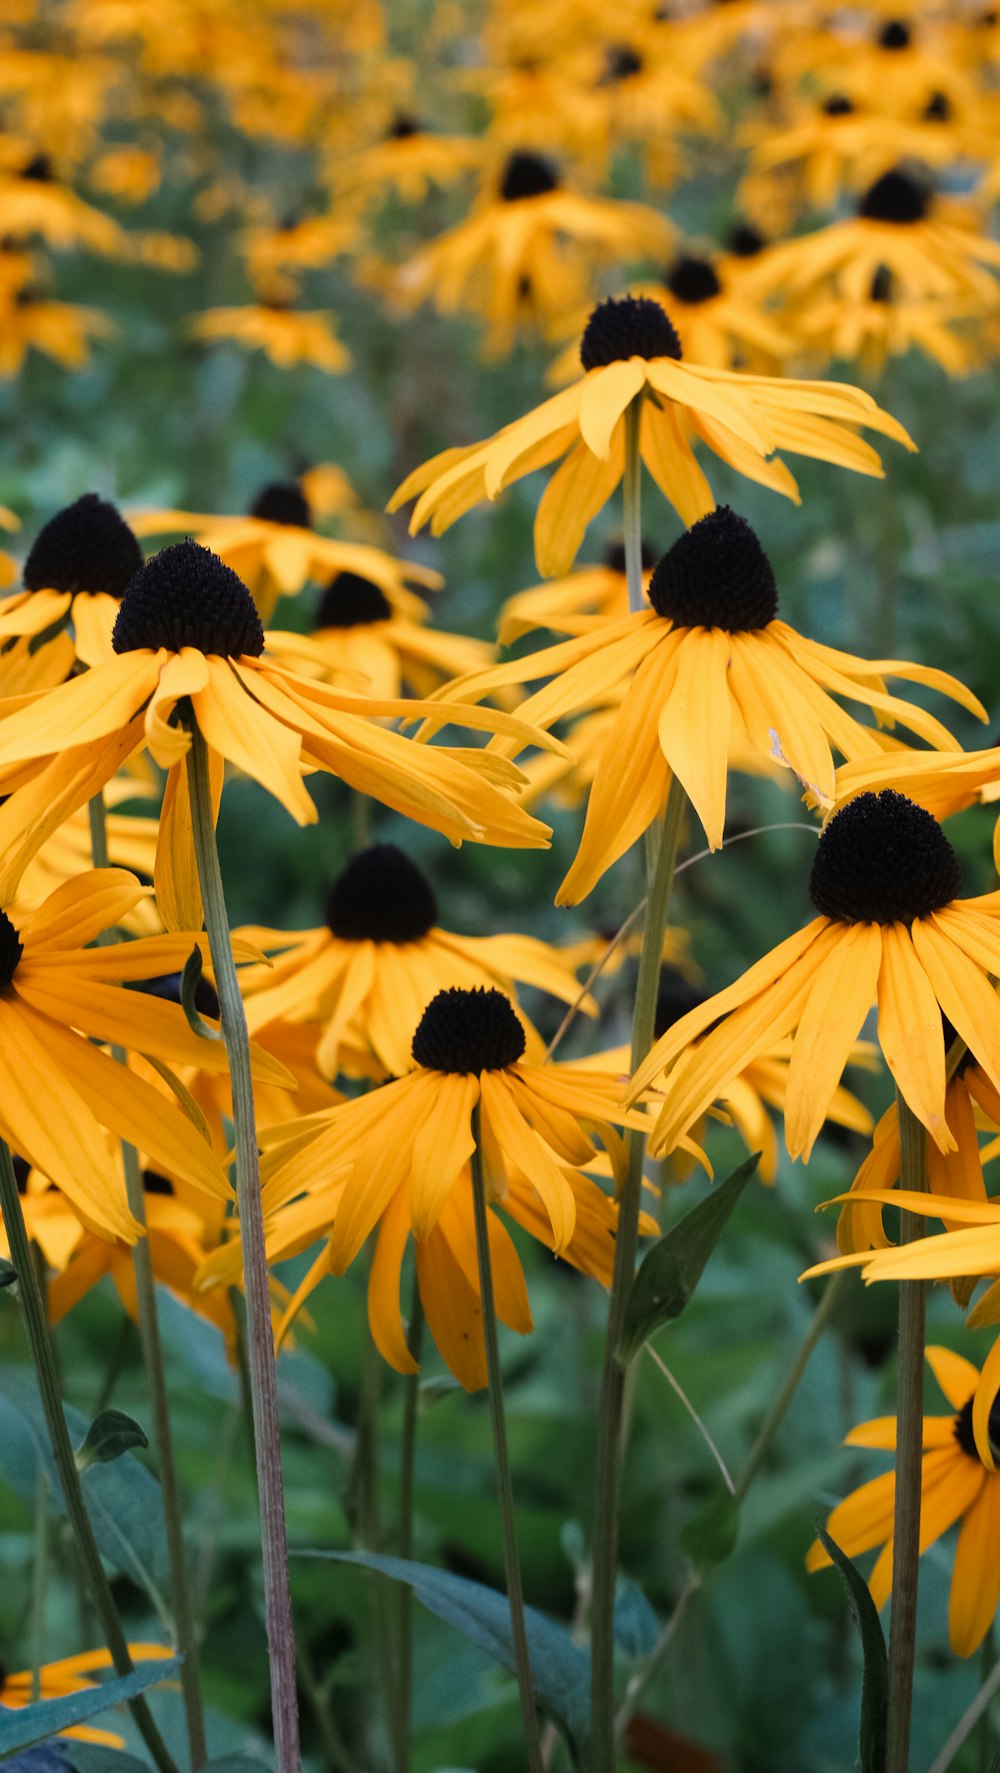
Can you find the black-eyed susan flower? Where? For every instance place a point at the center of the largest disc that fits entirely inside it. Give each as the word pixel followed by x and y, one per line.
pixel 63 331
pixel 71 1674
pixel 295 243
pixel 629 352
pixel 57 996
pixel 188 634
pixel 955 1486
pixel 891 926
pixel 870 331
pixel 526 253
pixel 36 204
pixel 398 1158
pixel 77 570
pixel 287 335
pixel 708 662
pixel 408 162
pixel 570 605
pixel 367 975
pixel 838 145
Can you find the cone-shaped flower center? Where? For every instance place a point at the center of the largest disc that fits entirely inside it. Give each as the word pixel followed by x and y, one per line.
pixel 716 575
pixel 186 596
pixel 468 1031
pixel 87 546
pixel 621 62
pixel 168 986
pixel 692 280
pixel 11 950
pixel 527 175
pixel 40 169
pixel 381 896
pixel 154 1183
pixel 894 35
pixel 351 601
pixel 614 556
pixel 837 105
pixel 895 197
pixel 624 327
pixel 283 501
pixel 963 1429
pixel 883 859
pixel 745 241
pixel 402 127
pixel 937 108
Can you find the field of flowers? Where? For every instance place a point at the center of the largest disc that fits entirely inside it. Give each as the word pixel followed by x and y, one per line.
pixel 499 909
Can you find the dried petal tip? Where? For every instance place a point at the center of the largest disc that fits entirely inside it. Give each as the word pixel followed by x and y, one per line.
pixel 624 327
pixel 381 896
pixel 87 546
pixel 283 501
pixel 883 859
pixel 468 1031
pixel 186 596
pixel 716 575
pixel 527 175
pixel 895 197
pixel 352 601
pixel 11 950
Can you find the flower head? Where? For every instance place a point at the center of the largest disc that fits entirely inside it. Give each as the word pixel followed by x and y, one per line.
pixel 77 570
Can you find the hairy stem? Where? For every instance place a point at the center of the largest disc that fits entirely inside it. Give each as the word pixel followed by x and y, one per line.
pixel 406 1476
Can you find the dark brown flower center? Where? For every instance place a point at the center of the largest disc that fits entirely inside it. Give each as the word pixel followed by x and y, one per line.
pixel 283 501
pixel 716 575
pixel 468 1031
pixel 351 601
pixel 11 950
pixel 963 1429
pixel 894 35
pixel 624 327
pixel 87 546
pixel 527 175
pixel 186 596
pixel 381 896
pixel 692 280
pixel 883 859
pixel 895 197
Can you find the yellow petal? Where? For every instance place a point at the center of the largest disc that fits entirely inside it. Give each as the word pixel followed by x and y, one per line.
pixel 909 1032
pixel 604 395
pixel 694 724
pixel 842 995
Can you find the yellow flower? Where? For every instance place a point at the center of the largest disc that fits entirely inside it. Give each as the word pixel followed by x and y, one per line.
pixel 288 335
pixel 77 569
pixel 408 161
pixel 368 973
pixel 955 1486
pixel 56 1680
pixel 571 605
pixel 630 350
pixel 877 327
pixel 61 330
pixel 35 203
pixel 885 882
pixel 295 243
pixel 398 1159
pixel 706 668
pixel 129 172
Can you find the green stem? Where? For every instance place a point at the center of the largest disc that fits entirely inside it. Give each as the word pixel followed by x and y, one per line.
pixel 979 1709
pixel 631 491
pixel 152 1351
pixel 76 1508
pixel 657 1656
pixel 406 1475
pixel 39 1582
pixel 505 1491
pixel 365 1516
pixel 909 1453
pixel 260 1339
pixel 776 1414
pixel 611 1412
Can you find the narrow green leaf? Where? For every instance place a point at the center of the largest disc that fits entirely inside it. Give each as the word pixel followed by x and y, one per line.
pixel 874 1684
pixel 8 1273
pixel 190 981
pixel 560 1669
pixel 673 1267
pixel 111 1434
pixel 34 1723
pixel 710 1535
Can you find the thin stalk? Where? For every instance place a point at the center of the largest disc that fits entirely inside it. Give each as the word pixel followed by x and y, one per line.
pixel 505 1492
pixel 260 1339
pixel 406 1475
pixel 611 1411
pixel 642 1677
pixel 779 1409
pixel 363 1511
pixel 979 1708
pixel 39 1582
pixel 909 1450
pixel 40 1342
pixel 336 1749
pixel 152 1351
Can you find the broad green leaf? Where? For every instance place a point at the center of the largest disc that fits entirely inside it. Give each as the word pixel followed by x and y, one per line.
pixel 710 1535
pixel 636 1625
pixel 874 1684
pixel 34 1723
pixel 673 1267
pixel 111 1434
pixel 94 1757
pixel 560 1669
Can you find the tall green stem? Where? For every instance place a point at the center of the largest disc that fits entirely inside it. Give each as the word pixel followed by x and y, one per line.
pixel 39 1582
pixel 33 1312
pixel 779 1409
pixel 406 1477
pixel 505 1492
pixel 260 1340
pixel 909 1447
pixel 152 1353
pixel 607 1499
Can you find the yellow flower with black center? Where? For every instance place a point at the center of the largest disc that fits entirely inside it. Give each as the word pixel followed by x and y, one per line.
pixel 367 974
pixel 187 637
pixel 707 667
pixel 57 1680
pixel 76 571
pixel 407 163
pixel 36 203
pixel 287 335
pixel 398 1158
pixel 891 926
pixel 955 1486
pixel 630 350
pixel 29 321
pixel 881 326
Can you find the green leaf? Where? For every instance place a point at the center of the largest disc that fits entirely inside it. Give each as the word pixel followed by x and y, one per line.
pixel 34 1723
pixel 672 1269
pixel 8 1273
pixel 111 1434
pixel 874 1684
pixel 636 1625
pixel 710 1535
pixel 93 1757
pixel 560 1669
pixel 190 981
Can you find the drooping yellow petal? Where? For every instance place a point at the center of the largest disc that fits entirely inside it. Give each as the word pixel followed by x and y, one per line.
pixel 695 722
pixel 183 674
pixel 983 1400
pixel 520 1146
pixel 78 911
pixel 975 1581
pixel 383 1286
pixel 382 1163
pixel 843 993
pixel 963 992
pixel 956 1376
pixel 579 488
pixel 909 1032
pixel 667 453
pixel 88 707
pixel 861 1521
pixel 175 870
pixel 233 723
pixel 440 1150
pixel 604 395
